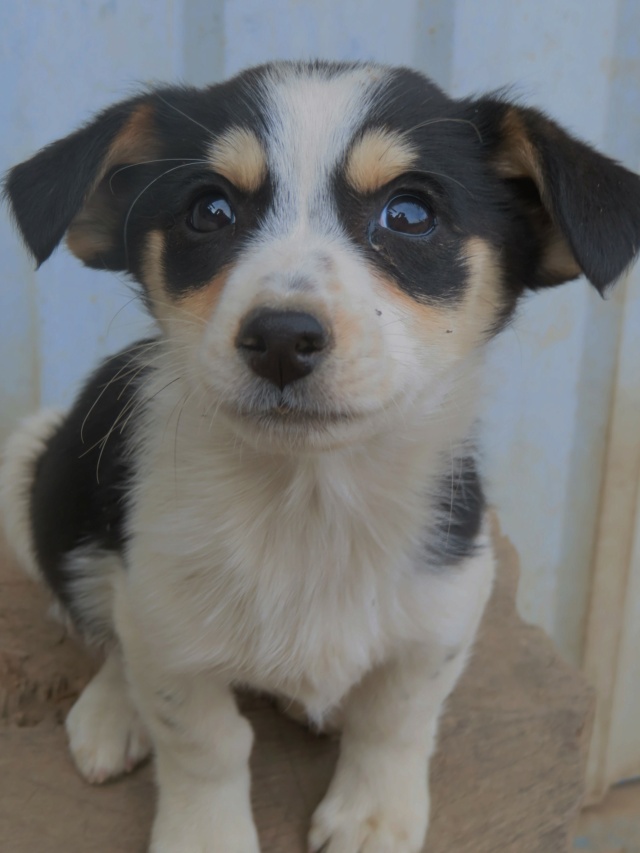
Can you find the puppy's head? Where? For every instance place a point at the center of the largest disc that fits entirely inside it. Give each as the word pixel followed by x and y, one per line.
pixel 327 245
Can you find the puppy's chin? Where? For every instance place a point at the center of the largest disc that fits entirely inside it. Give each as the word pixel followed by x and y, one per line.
pixel 287 431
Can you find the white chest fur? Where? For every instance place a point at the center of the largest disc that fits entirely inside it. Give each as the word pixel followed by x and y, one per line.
pixel 291 574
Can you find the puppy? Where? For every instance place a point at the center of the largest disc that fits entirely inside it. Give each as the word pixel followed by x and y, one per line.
pixel 278 490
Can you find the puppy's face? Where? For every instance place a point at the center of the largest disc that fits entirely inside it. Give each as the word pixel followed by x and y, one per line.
pixel 327 261
pixel 327 246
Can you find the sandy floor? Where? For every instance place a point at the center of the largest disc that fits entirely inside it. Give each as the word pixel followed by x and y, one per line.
pixel 613 827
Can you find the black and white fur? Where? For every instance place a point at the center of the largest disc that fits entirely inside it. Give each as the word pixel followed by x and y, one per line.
pixel 214 521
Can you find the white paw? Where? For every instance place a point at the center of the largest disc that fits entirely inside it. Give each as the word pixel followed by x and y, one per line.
pixel 373 808
pixel 106 735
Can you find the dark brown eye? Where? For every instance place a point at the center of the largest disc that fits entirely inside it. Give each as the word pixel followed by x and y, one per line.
pixel 211 212
pixel 409 215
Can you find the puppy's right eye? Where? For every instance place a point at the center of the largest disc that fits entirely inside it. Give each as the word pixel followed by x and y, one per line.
pixel 211 212
pixel 408 215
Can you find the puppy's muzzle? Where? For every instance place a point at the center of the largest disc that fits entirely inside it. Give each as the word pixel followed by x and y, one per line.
pixel 282 346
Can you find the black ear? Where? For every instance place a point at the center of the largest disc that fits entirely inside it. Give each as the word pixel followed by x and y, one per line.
pixel 584 207
pixel 56 190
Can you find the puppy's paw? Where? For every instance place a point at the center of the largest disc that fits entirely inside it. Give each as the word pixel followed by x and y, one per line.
pixel 106 735
pixel 372 808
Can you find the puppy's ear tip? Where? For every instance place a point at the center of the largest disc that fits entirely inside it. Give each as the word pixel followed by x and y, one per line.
pixel 605 286
pixel 38 250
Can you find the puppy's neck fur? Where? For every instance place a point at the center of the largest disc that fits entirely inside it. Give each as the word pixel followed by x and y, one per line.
pixel 260 546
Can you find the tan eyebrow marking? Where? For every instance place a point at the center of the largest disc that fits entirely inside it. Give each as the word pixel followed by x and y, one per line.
pixel 240 158
pixel 379 156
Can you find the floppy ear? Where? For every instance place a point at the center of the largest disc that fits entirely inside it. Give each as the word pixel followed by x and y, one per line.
pixel 584 207
pixel 65 186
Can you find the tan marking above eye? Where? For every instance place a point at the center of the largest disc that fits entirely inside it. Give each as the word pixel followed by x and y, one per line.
pixel 240 158
pixel 377 157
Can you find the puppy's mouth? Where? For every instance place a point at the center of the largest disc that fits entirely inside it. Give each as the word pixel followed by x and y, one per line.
pixel 284 414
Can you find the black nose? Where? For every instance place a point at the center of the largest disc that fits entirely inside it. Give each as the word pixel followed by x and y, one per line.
pixel 282 346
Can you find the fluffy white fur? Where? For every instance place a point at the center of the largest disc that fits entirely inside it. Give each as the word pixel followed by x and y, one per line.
pixel 20 455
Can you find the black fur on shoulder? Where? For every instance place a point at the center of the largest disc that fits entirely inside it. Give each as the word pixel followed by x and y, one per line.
pixel 460 507
pixel 82 479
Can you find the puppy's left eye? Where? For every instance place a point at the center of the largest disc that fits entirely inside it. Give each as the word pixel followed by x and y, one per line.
pixel 409 215
pixel 211 212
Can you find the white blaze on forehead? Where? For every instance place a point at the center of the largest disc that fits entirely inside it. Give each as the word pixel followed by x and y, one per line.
pixel 312 117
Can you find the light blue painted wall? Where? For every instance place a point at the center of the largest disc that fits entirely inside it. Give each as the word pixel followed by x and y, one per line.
pixel 551 374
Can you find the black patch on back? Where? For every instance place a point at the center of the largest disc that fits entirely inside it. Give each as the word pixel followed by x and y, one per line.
pixel 82 479
pixel 459 510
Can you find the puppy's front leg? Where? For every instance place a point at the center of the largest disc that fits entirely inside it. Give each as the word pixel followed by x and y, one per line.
pixel 378 800
pixel 202 746
pixel 202 749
